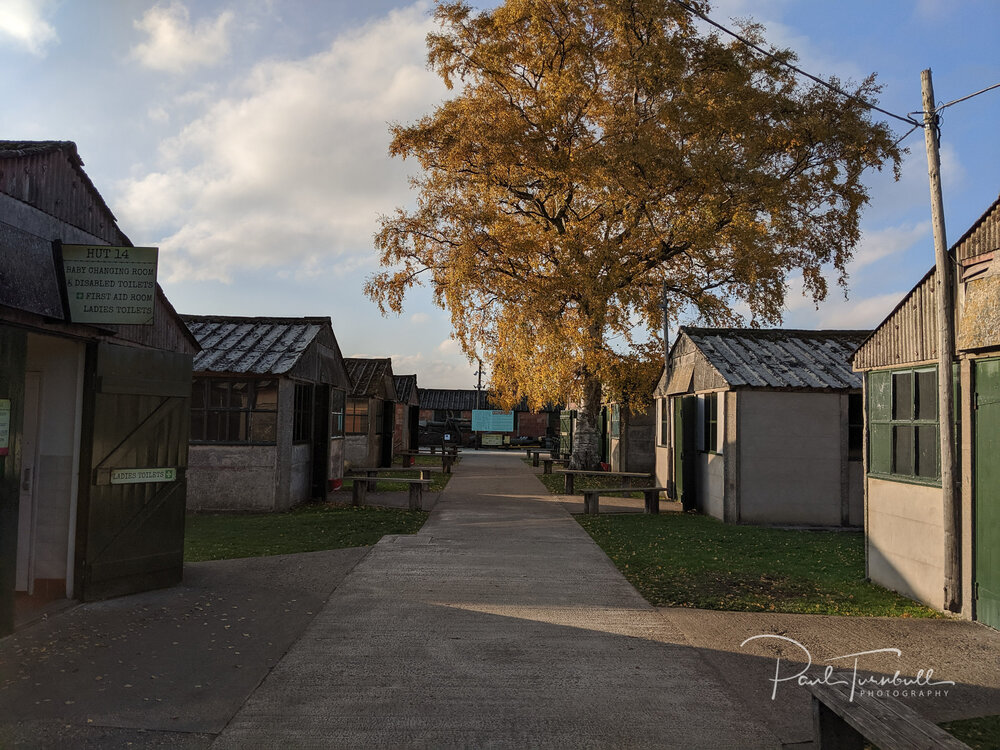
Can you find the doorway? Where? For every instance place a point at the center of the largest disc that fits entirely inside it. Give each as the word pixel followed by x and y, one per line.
pixel 986 375
pixel 27 496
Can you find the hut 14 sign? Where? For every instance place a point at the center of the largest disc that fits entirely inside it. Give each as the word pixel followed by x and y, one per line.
pixel 110 285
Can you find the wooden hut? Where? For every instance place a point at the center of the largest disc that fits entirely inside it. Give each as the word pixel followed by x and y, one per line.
pixel 406 430
pixel 904 514
pixel 370 412
pixel 267 412
pixel 762 426
pixel 93 416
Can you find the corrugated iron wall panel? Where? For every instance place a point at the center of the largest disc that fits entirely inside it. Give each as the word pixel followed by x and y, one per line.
pixel 49 182
pixel 982 237
pixel 908 335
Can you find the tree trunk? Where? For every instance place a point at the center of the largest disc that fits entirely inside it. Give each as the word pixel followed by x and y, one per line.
pixel 586 445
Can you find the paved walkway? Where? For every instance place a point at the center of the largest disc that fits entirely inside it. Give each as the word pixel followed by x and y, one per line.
pixel 501 625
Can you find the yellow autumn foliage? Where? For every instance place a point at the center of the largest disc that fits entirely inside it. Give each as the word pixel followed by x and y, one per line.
pixel 597 152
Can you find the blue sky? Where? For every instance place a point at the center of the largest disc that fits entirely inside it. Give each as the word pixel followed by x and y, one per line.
pixel 248 141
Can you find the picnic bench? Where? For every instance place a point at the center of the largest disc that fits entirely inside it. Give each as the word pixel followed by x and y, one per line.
pixel 535 453
pixel 547 464
pixel 651 497
pixel 624 475
pixel 844 724
pixel 453 449
pixel 409 459
pixel 359 489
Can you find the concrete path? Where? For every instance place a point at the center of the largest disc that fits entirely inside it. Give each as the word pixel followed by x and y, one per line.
pixel 499 625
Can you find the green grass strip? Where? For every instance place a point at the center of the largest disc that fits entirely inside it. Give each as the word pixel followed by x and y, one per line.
pixel 309 528
pixel 688 560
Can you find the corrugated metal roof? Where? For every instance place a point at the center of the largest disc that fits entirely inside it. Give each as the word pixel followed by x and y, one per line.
pixel 452 399
pixel 779 358
pixel 254 346
pixel 366 374
pixel 406 386
pixel 457 399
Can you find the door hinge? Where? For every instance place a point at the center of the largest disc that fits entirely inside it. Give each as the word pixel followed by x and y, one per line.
pixel 975 591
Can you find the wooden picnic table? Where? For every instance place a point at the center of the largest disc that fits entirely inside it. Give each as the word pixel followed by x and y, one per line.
pixel 359 489
pixel 842 721
pixel 651 497
pixel 547 464
pixel 624 475
pixel 447 459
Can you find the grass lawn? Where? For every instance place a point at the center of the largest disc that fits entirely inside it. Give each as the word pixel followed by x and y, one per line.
pixel 309 528
pixel 556 484
pixel 688 560
pixel 979 734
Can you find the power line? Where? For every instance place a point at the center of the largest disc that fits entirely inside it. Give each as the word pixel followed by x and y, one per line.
pixel 962 99
pixel 818 80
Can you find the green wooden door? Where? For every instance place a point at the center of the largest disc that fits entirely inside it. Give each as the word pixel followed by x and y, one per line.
pixel 13 353
pixel 130 533
pixel 987 489
pixel 566 433
pixel 684 452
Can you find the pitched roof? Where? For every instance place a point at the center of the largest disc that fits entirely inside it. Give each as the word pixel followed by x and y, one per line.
pixel 253 346
pixel 50 190
pixel 458 399
pixel 451 399
pixel 367 374
pixel 406 386
pixel 780 358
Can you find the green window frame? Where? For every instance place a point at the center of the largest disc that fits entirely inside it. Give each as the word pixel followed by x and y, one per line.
pixel 711 423
pixel 903 428
pixel 234 412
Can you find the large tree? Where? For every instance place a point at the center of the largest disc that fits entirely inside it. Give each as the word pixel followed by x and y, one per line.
pixel 600 156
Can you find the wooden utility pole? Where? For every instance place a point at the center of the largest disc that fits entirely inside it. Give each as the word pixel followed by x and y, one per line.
pixel 943 287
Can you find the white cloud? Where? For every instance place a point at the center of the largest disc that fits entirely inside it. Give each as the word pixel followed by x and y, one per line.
pixel 881 243
pixel 860 314
pixel 420 317
pixel 24 22
pixel 175 45
pixel 294 172
pixel 448 346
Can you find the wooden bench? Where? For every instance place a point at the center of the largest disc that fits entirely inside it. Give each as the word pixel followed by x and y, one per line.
pixel 447 459
pixel 547 464
pixel 534 454
pixel 624 475
pixel 359 490
pixel 453 449
pixel 840 723
pixel 651 496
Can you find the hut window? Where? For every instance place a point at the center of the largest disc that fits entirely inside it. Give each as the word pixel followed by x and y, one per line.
pixel 234 411
pixel 336 413
pixel 664 422
pixel 356 416
pixel 711 423
pixel 616 421
pixel 903 424
pixel 303 417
